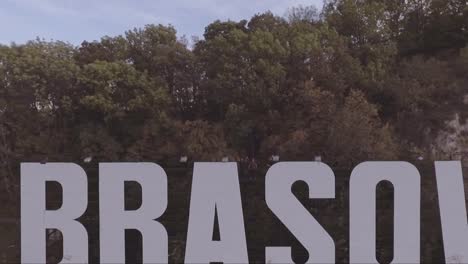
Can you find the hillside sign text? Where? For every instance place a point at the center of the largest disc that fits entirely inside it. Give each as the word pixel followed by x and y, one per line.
pixel 216 190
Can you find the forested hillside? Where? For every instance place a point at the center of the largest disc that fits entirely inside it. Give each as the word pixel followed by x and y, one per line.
pixel 359 80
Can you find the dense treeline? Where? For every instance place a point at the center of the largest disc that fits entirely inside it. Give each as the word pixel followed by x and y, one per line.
pixel 360 80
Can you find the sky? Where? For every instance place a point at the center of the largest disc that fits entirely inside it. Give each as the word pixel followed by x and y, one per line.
pixel 76 20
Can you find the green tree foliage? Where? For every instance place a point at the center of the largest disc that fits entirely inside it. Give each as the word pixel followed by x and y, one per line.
pixel 120 99
pixel 37 91
pixel 356 133
pixel 358 80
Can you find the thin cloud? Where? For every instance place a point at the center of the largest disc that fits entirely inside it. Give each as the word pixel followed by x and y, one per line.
pixel 75 21
pixel 48 7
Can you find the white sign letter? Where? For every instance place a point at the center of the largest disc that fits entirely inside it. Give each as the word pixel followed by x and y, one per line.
pixel 35 219
pixel 282 202
pixel 114 219
pixel 452 210
pixel 215 186
pixel 407 192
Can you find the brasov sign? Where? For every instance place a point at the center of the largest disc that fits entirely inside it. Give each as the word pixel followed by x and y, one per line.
pixel 216 190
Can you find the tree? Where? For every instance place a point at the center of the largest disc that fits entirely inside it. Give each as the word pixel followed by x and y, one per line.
pixel 118 99
pixel 302 14
pixel 357 134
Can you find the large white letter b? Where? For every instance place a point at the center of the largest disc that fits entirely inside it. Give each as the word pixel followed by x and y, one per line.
pixel 35 219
